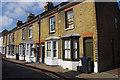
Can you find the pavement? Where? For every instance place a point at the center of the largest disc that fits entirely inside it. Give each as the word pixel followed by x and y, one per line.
pixel 71 74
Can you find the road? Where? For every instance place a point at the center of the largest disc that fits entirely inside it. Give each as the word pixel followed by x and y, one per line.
pixel 16 71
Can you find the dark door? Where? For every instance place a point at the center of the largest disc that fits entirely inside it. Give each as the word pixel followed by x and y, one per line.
pixel 42 52
pixel 37 52
pixel 88 48
pixel 113 54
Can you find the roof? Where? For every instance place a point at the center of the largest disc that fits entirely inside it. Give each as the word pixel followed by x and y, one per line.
pixel 23 42
pixel 31 42
pixel 71 35
pixel 52 38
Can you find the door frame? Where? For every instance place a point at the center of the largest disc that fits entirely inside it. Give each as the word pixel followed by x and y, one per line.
pixel 92 46
pixel 42 52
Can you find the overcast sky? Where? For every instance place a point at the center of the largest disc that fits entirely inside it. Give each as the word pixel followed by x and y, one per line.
pixel 13 10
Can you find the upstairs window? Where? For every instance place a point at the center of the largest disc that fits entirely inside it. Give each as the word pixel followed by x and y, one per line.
pixel 23 34
pixel 30 32
pixel 3 39
pixel 69 19
pixel 9 38
pixel 52 24
pixel 13 37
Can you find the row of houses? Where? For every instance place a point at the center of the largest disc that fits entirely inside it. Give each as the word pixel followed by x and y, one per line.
pixel 62 34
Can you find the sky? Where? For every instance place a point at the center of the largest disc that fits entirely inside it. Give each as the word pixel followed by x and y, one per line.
pixel 13 10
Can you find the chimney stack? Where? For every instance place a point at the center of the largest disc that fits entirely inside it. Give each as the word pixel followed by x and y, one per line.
pixel 19 23
pixel 48 6
pixel 30 16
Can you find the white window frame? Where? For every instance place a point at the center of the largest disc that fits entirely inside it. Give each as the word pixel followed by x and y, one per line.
pixel 52 24
pixel 30 31
pixel 52 56
pixel 47 49
pixel 23 33
pixel 31 52
pixel 66 56
pixel 27 49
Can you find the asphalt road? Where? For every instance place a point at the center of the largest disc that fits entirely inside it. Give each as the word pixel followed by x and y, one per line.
pixel 16 71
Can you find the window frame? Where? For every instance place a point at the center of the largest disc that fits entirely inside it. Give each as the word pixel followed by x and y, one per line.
pixel 52 50
pixel 48 50
pixel 12 49
pixel 23 35
pixel 30 30
pixel 9 38
pixel 66 20
pixel 71 49
pixel 31 53
pixel 50 19
pixel 13 37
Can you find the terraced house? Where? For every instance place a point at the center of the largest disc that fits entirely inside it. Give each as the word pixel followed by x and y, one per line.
pixel 62 34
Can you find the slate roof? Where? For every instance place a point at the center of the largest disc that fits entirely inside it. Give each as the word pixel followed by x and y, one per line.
pixel 71 35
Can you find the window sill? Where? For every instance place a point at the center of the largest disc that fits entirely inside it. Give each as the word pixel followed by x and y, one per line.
pixel 69 28
pixel 30 37
pixel 49 57
pixel 70 59
pixel 51 32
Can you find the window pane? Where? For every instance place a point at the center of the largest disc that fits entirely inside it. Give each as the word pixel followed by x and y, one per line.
pixel 23 34
pixel 48 53
pixel 30 31
pixel 67 54
pixel 49 46
pixel 74 44
pixel 69 19
pixel 54 44
pixel 54 53
pixel 74 54
pixel 67 44
pixel 52 23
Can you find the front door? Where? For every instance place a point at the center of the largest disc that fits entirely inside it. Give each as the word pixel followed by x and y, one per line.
pixel 88 48
pixel 37 52
pixel 42 52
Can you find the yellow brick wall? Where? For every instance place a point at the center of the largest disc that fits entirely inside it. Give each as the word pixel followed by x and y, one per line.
pixel 84 21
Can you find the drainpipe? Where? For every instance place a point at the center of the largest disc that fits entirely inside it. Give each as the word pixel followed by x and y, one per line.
pixel 39 35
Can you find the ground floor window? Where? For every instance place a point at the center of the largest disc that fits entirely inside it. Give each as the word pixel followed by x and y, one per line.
pixel 70 47
pixel 27 49
pixel 12 49
pixel 8 50
pixel 22 49
pixel 48 49
pixel 3 49
pixel 51 49
pixel 67 49
pixel 32 50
